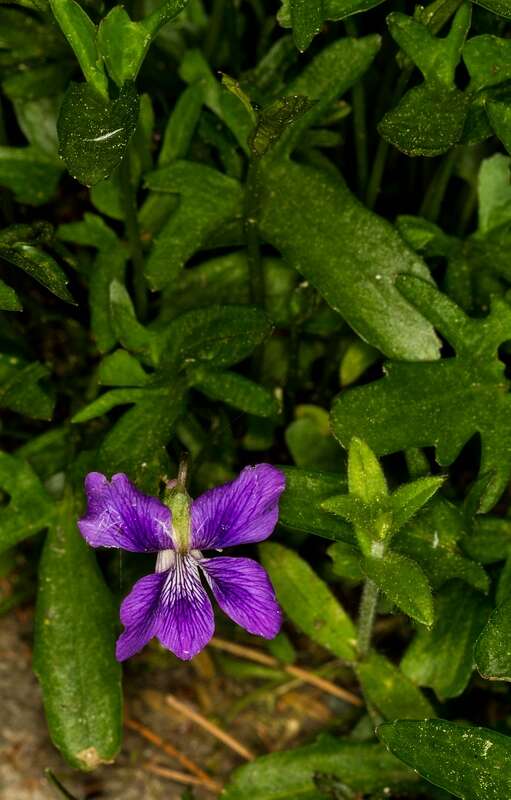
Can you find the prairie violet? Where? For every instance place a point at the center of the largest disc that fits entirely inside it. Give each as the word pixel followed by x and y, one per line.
pixel 172 604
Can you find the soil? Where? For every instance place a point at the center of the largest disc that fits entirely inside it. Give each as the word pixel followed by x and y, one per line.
pixel 278 719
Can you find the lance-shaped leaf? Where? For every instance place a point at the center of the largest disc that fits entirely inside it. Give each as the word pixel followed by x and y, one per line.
pixel 339 259
pixel 392 693
pixel 29 173
pixel 74 655
pixel 443 657
pixel 493 650
pixel 21 245
pixel 471 763
pixel 108 267
pixel 301 503
pixel 465 394
pixel 28 508
pixel 235 390
pixel 20 388
pixel 308 602
pixel 8 298
pixel 364 767
pixel 207 198
pixel 306 17
pixel 80 32
pixel 404 583
pixel 94 132
pixel 500 7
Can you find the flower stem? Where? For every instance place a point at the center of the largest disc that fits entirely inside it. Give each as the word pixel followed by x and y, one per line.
pixel 432 203
pixel 182 473
pixel 366 616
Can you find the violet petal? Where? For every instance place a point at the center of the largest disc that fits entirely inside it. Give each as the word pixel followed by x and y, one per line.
pixel 244 592
pixel 186 622
pixel 118 515
pixel 242 511
pixel 140 615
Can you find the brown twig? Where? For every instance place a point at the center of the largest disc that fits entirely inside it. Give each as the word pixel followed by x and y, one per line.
pixel 181 777
pixel 202 721
pixel 171 751
pixel 297 672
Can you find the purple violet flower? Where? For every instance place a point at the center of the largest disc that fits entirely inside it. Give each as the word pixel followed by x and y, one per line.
pixel 172 603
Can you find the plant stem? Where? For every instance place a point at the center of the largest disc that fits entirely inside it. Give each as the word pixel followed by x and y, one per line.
pixel 432 202
pixel 132 232
pixel 216 22
pixel 366 616
pixel 359 122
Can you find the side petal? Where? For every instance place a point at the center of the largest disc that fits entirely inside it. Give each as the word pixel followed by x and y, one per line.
pixel 243 511
pixel 139 615
pixel 118 515
pixel 186 622
pixel 244 592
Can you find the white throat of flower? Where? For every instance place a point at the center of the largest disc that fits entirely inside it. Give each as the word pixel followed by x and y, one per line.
pixel 166 559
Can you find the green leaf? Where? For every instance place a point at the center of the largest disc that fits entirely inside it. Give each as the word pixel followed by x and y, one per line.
pixel 306 20
pixel 466 394
pixel 144 458
pixel 310 441
pixel 81 35
pixel 308 602
pixel 235 390
pixel 29 173
pixel 489 540
pixel 122 44
pixel 207 199
pixel 494 192
pixel 428 121
pixel 93 132
pixel 500 7
pixel 339 258
pixel 410 497
pixel 326 78
pixel 487 59
pixel 274 119
pixel 290 774
pixel 300 505
pixel 346 561
pixel 128 330
pixel 437 58
pixel 218 336
pixel 329 10
pixel 163 13
pixel 431 537
pixel 38 264
pixel 404 583
pixel 443 657
pixel 8 298
pixel 108 266
pixel 366 479
pixel 493 649
pixel 28 508
pixel 471 763
pixel 357 358
pixel 499 114
pixel 391 692
pixel 122 369
pixel 20 390
pixel 116 397
pixel 74 656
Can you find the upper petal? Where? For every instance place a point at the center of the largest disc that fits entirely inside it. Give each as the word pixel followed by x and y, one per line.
pixel 140 615
pixel 118 515
pixel 242 511
pixel 186 622
pixel 244 592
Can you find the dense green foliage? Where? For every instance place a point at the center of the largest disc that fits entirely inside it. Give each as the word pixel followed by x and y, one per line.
pixel 271 234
